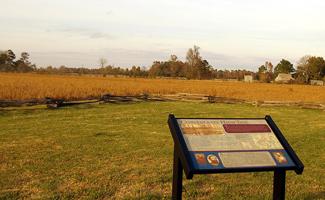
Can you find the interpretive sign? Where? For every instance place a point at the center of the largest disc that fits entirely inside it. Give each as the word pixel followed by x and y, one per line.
pixel 205 146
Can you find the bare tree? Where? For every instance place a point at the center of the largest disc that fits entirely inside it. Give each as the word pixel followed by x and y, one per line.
pixel 302 68
pixel 102 62
pixel 193 59
pixel 193 56
pixel 173 58
pixel 269 67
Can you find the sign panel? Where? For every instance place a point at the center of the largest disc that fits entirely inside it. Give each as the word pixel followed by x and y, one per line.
pixel 214 145
pixel 232 143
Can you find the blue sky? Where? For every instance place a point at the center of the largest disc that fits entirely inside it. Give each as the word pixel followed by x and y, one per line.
pixel 231 33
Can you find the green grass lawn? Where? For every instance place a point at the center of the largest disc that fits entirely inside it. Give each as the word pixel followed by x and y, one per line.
pixel 125 152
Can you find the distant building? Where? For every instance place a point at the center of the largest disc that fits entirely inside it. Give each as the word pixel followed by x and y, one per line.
pixel 248 78
pixel 283 78
pixel 316 82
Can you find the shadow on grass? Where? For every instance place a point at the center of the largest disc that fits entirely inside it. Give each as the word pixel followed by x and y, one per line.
pixel 10 195
pixel 314 196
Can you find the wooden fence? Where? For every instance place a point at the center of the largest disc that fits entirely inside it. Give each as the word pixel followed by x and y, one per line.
pixel 107 98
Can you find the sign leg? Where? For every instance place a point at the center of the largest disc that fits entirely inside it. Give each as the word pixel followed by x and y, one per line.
pixel 177 176
pixel 279 185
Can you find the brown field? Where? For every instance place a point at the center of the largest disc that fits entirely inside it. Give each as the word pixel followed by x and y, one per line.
pixel 14 86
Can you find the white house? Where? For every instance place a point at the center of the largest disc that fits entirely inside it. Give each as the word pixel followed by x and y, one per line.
pixel 248 78
pixel 316 82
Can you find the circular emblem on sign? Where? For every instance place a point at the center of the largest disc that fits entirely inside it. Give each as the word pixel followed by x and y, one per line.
pixel 279 156
pixel 200 158
pixel 213 160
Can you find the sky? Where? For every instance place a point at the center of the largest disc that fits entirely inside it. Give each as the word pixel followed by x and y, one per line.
pixel 231 34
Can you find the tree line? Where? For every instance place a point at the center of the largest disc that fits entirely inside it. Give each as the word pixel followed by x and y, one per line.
pixel 9 63
pixel 134 71
pixel 194 67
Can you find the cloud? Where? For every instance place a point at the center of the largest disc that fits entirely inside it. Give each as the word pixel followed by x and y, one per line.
pixel 128 57
pixel 85 32
pixel 225 61
pixel 97 35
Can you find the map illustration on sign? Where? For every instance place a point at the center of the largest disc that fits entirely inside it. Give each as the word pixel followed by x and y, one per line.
pixel 232 143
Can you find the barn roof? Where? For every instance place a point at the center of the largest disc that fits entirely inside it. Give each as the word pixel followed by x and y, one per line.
pixel 283 77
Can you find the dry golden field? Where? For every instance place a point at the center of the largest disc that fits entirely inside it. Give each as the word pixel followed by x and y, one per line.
pixel 14 86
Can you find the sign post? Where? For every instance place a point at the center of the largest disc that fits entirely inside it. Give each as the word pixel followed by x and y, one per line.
pixel 177 176
pixel 230 145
